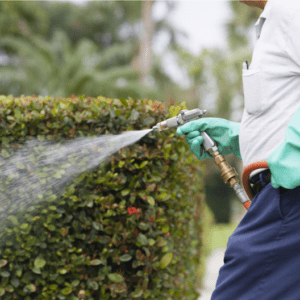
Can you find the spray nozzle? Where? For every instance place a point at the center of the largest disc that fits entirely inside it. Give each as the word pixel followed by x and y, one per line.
pixel 183 117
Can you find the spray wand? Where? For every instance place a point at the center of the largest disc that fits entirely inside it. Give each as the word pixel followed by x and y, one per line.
pixel 228 173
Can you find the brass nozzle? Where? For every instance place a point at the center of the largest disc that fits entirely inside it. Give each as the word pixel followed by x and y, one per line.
pixel 228 173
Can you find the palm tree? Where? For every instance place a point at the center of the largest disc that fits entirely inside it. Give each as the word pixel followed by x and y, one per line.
pixel 89 50
pixel 55 68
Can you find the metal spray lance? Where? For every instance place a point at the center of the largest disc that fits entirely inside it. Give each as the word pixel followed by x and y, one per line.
pixel 228 173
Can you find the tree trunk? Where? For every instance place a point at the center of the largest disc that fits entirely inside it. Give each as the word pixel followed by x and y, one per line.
pixel 143 62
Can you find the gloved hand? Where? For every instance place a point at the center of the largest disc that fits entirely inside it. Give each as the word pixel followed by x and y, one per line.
pixel 225 133
pixel 284 161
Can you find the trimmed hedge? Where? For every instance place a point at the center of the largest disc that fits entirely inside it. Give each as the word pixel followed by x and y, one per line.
pixel 130 229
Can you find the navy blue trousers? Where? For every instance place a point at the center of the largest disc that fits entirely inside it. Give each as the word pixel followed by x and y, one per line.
pixel 262 259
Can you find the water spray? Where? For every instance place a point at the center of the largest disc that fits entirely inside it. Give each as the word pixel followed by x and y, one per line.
pixel 228 173
pixel 42 169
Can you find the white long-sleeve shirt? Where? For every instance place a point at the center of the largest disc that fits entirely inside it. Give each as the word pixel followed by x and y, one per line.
pixel 272 82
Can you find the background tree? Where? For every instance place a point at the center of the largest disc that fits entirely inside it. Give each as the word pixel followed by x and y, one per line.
pixel 20 18
pixel 88 49
pixel 56 68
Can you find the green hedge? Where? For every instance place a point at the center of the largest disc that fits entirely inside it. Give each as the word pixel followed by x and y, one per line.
pixel 130 229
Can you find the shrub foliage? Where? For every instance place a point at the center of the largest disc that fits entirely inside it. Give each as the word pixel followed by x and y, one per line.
pixel 130 229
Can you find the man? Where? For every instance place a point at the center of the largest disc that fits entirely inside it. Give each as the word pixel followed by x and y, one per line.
pixel 262 260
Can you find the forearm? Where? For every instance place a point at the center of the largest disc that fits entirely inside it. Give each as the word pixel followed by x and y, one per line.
pixel 284 160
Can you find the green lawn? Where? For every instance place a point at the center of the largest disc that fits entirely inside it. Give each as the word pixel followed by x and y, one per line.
pixel 219 235
pixel 215 236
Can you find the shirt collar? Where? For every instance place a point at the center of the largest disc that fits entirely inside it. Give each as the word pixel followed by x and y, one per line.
pixel 262 18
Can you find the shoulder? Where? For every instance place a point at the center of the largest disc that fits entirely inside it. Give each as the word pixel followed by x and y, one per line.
pixel 283 13
pixel 286 4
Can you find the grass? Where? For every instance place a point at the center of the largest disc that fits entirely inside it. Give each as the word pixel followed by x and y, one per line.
pixel 213 236
pixel 219 235
pixel 216 236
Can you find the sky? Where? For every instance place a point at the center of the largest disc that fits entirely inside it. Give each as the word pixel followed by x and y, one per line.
pixel 203 21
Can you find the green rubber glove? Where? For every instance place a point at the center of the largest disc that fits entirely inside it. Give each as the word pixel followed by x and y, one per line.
pixel 284 161
pixel 225 133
